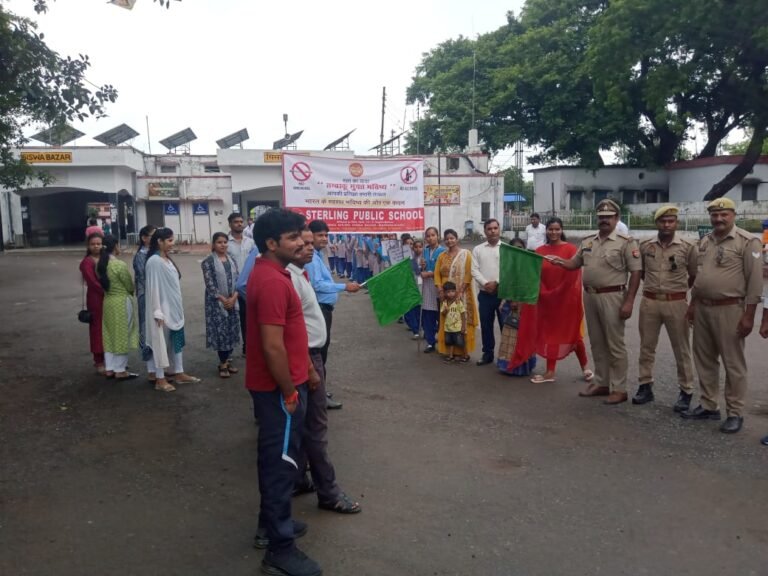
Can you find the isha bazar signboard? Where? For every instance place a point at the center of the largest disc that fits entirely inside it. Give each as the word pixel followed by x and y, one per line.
pixel 356 196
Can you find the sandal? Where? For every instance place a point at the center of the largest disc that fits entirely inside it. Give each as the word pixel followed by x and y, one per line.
pixel 540 379
pixel 231 369
pixel 161 386
pixel 344 505
pixel 223 370
pixel 588 375
pixel 188 379
pixel 448 359
pixel 464 359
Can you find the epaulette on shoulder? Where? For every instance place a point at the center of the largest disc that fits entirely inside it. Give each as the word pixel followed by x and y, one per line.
pixel 624 236
pixel 744 234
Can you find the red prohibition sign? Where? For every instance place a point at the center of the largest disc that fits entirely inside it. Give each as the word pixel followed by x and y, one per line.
pixel 301 171
pixel 408 175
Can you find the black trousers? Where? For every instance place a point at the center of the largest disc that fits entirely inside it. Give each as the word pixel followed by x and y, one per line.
pixel 241 304
pixel 488 310
pixel 276 475
pixel 327 311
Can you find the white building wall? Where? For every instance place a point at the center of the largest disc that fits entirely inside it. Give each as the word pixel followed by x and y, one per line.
pixel 690 184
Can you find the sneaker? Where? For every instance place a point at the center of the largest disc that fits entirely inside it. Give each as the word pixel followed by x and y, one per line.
pixel 415 337
pixel 261 541
pixel 290 563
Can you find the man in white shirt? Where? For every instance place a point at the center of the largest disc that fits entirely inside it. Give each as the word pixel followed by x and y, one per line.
pixel 535 233
pixel 315 437
pixel 238 247
pixel 485 271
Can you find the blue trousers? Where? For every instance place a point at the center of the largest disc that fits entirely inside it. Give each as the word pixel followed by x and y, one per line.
pixel 348 269
pixel 413 319
pixel 430 320
pixel 488 310
pixel 277 476
pixel 341 265
pixel 361 274
pixel 332 263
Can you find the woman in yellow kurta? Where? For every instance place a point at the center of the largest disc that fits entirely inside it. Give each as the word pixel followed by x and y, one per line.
pixel 455 265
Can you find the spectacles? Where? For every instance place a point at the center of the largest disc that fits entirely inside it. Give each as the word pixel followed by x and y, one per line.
pixel 672 263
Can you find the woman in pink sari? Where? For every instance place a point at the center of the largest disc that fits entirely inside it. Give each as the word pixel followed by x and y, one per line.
pixel 560 309
pixel 94 299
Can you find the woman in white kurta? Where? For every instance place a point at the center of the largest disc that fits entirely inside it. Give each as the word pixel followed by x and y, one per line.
pixel 164 330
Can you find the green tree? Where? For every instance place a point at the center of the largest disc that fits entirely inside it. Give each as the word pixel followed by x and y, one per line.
pixel 740 148
pixel 39 86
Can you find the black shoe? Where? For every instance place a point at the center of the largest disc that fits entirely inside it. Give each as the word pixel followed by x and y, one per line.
pixel 764 441
pixel 429 349
pixel 700 413
pixel 643 395
pixel 290 563
pixel 331 404
pixel 485 360
pixel 304 486
pixel 732 425
pixel 683 402
pixel 261 542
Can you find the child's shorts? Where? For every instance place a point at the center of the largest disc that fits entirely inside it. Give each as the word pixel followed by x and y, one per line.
pixel 454 339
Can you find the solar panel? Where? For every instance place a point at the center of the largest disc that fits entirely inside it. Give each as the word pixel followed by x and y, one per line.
pixel 287 141
pixel 116 135
pixel 386 142
pixel 58 135
pixel 179 139
pixel 339 140
pixel 233 139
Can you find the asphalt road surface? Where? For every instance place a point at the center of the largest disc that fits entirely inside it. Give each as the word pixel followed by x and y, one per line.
pixel 460 470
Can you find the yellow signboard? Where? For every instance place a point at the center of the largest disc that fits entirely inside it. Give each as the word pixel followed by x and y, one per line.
pixel 273 157
pixel 47 157
pixel 444 195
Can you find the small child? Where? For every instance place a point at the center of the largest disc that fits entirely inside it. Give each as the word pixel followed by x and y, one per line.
pixel 455 320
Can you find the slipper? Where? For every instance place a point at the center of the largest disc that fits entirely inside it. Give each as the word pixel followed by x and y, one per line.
pixel 164 387
pixel 464 359
pixel 109 375
pixel 130 376
pixel 344 505
pixel 190 380
pixel 588 375
pixel 539 379
pixel 448 359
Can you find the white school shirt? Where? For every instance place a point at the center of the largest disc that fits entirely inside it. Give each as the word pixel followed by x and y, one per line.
pixel 485 264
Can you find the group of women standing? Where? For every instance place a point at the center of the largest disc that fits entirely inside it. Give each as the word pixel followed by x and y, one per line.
pixel 118 325
pixel 553 328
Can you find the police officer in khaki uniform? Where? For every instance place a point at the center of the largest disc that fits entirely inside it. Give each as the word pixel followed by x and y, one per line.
pixel 669 269
pixel 608 258
pixel 724 300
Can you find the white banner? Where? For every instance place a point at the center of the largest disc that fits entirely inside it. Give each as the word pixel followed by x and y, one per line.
pixel 354 195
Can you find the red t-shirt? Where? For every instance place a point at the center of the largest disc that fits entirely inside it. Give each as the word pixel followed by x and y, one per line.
pixel 272 299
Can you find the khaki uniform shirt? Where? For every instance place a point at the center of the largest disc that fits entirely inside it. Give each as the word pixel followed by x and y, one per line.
pixel 730 268
pixel 666 270
pixel 607 262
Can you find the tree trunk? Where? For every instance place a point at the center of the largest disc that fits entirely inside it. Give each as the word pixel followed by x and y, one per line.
pixel 743 168
pixel 710 148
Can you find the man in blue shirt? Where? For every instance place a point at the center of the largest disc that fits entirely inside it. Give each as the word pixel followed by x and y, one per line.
pixel 326 289
pixel 242 279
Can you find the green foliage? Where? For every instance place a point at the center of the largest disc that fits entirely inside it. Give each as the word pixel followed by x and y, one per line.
pixel 575 77
pixel 740 148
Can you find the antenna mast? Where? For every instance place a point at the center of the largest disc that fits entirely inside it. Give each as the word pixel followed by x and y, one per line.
pixel 383 108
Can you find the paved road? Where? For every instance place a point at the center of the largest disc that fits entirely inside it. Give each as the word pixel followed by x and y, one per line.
pixel 460 471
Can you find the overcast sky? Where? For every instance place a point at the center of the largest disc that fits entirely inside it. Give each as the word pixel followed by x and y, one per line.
pixel 220 65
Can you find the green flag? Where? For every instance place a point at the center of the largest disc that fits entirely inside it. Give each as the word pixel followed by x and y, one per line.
pixel 393 292
pixel 519 274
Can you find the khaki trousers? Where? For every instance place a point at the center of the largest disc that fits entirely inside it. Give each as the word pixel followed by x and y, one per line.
pixel 606 337
pixel 714 334
pixel 653 315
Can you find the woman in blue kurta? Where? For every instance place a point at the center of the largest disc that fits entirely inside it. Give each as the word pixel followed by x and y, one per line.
pixel 139 278
pixel 222 320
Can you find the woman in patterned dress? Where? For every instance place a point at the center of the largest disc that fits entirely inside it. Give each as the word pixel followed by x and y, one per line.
pixel 120 330
pixel 222 320
pixel 455 265
pixel 429 293
pixel 139 263
pixel 94 299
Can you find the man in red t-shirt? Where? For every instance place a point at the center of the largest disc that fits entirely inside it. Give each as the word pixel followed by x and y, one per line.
pixel 277 372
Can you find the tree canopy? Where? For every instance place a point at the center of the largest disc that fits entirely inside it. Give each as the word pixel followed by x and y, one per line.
pixel 39 86
pixel 577 77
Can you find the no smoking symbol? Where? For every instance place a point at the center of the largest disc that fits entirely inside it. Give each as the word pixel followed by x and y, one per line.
pixel 301 171
pixel 408 175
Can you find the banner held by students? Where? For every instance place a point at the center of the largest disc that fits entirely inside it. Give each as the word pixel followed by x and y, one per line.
pixel 355 196
pixel 519 274
pixel 393 292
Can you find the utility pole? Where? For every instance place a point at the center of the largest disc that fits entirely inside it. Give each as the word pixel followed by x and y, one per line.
pixel 439 198
pixel 418 126
pixel 383 108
